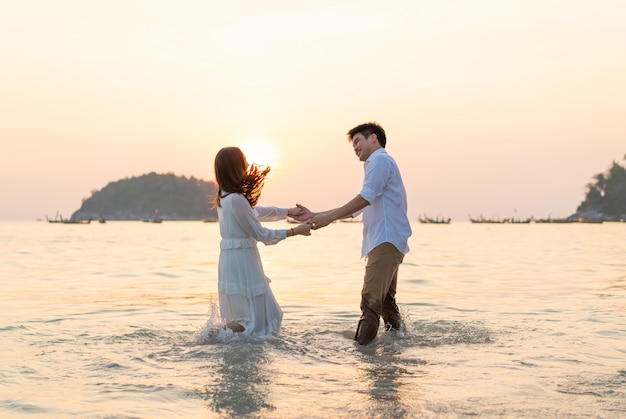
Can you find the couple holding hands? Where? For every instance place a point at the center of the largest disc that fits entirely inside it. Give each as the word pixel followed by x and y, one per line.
pixel 246 302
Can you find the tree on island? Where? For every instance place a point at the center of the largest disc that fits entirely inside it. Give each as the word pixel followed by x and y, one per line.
pixel 606 195
pixel 136 198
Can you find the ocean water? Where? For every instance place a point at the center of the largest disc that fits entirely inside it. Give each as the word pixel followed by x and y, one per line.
pixel 110 320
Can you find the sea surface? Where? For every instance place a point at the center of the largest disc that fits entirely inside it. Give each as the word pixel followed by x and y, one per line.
pixel 507 320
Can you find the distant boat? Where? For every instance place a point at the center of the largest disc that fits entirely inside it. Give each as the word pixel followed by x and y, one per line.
pixel 77 221
pixel 439 220
pixel 589 221
pixel 153 220
pixel 101 219
pixel 484 220
pixel 519 221
pixel 550 220
pixel 58 219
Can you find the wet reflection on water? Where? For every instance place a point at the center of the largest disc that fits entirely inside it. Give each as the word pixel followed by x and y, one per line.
pixel 392 383
pixel 241 383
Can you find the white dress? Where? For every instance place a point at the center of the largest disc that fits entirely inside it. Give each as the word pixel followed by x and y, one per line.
pixel 245 296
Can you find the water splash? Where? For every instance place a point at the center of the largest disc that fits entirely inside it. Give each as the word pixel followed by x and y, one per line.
pixel 214 330
pixel 449 332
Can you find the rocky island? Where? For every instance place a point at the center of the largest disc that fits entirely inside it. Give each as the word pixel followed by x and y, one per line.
pixel 150 196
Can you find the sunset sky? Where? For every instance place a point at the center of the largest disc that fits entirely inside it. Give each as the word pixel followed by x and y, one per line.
pixel 505 108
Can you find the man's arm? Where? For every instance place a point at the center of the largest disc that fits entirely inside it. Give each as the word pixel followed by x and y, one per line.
pixel 322 219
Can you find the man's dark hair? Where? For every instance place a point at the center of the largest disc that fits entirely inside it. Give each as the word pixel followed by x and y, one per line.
pixel 367 130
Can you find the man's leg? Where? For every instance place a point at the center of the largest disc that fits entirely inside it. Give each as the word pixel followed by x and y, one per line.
pixel 391 313
pixel 380 271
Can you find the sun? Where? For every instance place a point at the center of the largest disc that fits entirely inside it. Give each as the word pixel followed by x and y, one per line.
pixel 260 150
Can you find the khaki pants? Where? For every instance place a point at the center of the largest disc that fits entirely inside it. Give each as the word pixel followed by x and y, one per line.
pixel 378 297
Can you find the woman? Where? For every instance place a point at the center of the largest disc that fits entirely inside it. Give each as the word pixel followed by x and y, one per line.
pixel 246 301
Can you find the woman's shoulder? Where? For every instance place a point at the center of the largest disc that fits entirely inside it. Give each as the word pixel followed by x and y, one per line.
pixel 236 199
pixel 230 195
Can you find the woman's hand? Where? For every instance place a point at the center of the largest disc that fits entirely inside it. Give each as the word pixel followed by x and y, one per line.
pixel 303 229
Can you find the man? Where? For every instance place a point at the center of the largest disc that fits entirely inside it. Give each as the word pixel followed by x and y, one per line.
pixel 386 229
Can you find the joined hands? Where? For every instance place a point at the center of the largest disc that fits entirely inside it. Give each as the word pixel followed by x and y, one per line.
pixel 315 220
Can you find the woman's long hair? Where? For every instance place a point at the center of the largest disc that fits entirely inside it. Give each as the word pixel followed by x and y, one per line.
pixel 234 176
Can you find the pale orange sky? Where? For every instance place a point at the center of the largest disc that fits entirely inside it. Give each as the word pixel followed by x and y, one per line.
pixel 505 108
